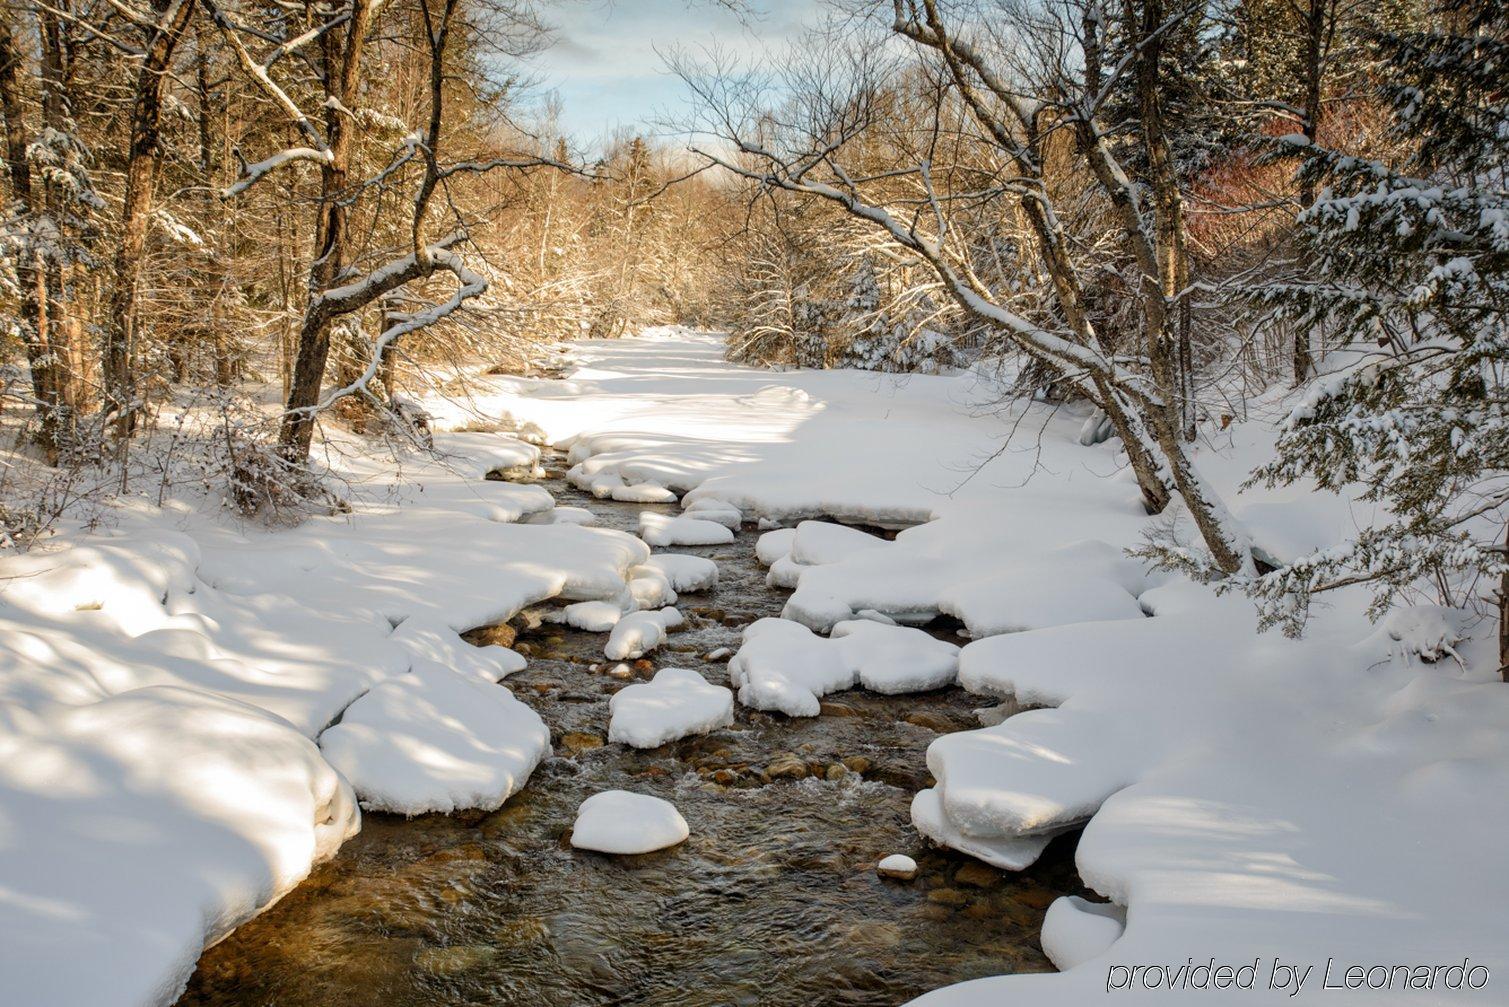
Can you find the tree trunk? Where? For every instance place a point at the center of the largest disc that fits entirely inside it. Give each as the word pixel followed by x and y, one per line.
pixel 342 55
pixel 142 161
pixel 1315 30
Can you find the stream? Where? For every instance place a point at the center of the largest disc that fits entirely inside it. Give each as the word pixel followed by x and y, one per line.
pixel 774 899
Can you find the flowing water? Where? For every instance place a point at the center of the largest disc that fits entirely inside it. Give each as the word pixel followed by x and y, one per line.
pixel 774 899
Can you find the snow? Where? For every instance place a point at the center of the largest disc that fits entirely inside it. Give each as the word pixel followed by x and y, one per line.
pixel 638 633
pixel 661 530
pixel 430 640
pixel 675 703
pixel 688 574
pixel 141 826
pixel 589 616
pixel 784 666
pixel 642 493
pixel 713 509
pixel 897 865
pixel 1076 930
pixel 620 822
pixel 1244 794
pixel 162 677
pixel 433 740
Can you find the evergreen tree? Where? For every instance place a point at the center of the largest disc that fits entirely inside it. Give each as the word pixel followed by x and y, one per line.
pixel 1411 277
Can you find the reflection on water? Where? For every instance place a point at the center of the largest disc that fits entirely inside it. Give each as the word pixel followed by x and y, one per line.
pixel 773 900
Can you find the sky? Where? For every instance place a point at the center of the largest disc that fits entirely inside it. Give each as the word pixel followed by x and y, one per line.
pixel 604 63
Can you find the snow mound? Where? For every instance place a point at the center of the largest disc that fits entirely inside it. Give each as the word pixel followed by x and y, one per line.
pixel 142 827
pixel 772 545
pixel 685 573
pixel 638 633
pixel 432 740
pixel 1010 853
pixel 713 509
pixel 563 515
pixel 1076 930
pixel 426 638
pixel 675 703
pixel 642 493
pixel 784 666
pixel 661 530
pixel 588 616
pixel 620 822
pixel 479 455
pixel 819 542
pixel 650 587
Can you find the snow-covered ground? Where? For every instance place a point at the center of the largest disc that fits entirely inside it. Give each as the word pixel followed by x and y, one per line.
pixel 167 682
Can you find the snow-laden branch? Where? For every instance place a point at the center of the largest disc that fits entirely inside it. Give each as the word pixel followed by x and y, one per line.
pixel 471 284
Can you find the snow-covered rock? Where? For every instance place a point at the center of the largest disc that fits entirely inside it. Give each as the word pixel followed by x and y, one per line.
pixel 898 866
pixel 686 573
pixel 426 638
pixel 675 703
pixel 642 493
pixel 662 531
pixel 432 740
pixel 712 509
pixel 638 633
pixel 589 616
pixel 784 666
pixel 620 822
pixel 1076 930
pixel 650 587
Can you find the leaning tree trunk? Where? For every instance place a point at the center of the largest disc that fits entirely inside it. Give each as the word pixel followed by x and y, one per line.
pixel 141 177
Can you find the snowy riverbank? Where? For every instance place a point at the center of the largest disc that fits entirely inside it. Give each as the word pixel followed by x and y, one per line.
pixel 166 682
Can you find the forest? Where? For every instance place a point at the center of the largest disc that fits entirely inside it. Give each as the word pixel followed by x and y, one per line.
pixel 1137 369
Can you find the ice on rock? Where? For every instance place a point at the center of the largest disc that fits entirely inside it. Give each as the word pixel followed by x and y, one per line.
pixel 432 740
pixel 1076 930
pixel 638 633
pixel 589 616
pixel 624 823
pixel 675 703
pixel 427 638
pixel 662 530
pixel 642 493
pixel 784 666
pixel 686 573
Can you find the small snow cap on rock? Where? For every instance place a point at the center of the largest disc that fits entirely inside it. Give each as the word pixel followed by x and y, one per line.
pixel 898 866
pixel 620 822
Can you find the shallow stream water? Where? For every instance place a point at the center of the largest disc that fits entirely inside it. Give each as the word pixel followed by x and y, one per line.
pixel 774 899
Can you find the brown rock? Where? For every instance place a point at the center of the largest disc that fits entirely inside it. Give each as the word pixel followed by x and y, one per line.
pixel 828 709
pixel 977 875
pixel 724 776
pixel 837 771
pixel 483 636
pixel 786 765
pixel 858 764
pixel 935 722
pixel 950 897
pixel 577 742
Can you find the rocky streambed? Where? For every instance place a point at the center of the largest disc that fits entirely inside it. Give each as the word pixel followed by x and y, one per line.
pixel 774 900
